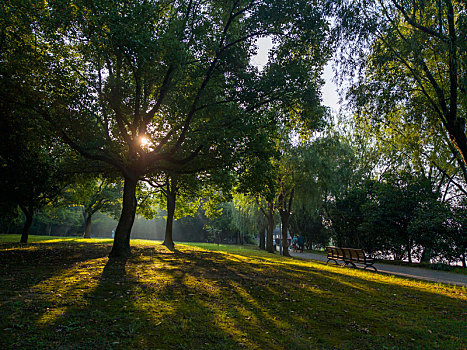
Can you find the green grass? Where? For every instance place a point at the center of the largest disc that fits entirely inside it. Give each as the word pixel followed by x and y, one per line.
pixel 65 294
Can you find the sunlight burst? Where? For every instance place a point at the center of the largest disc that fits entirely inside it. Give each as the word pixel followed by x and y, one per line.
pixel 144 141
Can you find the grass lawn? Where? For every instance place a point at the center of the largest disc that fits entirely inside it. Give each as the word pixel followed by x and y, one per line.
pixel 60 293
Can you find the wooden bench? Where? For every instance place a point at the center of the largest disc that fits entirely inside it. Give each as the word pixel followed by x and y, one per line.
pixel 349 256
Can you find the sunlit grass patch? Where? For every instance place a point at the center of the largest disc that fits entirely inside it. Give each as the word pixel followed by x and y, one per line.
pixel 61 293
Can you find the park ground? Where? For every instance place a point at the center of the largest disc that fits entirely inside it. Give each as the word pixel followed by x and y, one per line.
pixel 66 294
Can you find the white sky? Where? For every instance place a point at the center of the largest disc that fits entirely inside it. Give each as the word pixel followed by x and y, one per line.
pixel 329 91
pixel 261 57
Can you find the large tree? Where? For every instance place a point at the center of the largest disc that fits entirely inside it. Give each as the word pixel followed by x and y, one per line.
pixel 411 56
pixel 147 86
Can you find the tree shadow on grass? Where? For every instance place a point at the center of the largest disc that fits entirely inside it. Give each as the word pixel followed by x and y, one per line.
pixel 330 301
pixel 22 267
pixel 115 268
pixel 124 311
pixel 200 299
pixel 335 299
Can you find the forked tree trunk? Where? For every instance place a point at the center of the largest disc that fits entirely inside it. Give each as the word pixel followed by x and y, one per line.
pixel 87 226
pixel 121 245
pixel 285 215
pixel 270 231
pixel 171 200
pixel 29 213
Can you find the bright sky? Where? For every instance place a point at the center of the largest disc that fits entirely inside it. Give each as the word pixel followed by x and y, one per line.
pixel 261 58
pixel 330 95
pixel 329 92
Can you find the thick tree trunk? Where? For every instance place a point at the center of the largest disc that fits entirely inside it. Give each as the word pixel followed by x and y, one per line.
pixel 121 245
pixel 455 124
pixel 262 240
pixel 87 226
pixel 168 241
pixel 285 215
pixel 270 232
pixel 29 213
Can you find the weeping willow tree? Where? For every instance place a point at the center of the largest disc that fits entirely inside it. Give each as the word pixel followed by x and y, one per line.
pixel 247 218
pixel 407 63
pixel 326 168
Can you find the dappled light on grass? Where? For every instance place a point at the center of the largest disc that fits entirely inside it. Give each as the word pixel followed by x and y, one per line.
pixel 50 315
pixel 342 274
pixel 71 295
pixel 68 288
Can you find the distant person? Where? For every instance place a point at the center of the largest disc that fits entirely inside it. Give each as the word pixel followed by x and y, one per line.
pixel 294 243
pixel 301 243
pixel 113 233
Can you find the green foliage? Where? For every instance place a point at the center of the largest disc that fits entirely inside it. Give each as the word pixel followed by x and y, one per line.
pixel 401 215
pixel 94 194
pixel 310 225
pixel 50 215
pixel 33 167
pixel 163 86
pixel 178 75
pixel 407 62
pixel 237 222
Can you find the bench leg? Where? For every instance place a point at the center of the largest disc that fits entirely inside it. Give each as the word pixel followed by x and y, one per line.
pixel 331 260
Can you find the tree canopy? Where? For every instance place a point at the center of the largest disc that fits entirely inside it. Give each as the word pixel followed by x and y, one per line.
pixel 152 85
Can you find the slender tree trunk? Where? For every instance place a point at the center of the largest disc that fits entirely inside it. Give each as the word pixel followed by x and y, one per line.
pixel 262 239
pixel 400 253
pixel 270 231
pixel 29 213
pixel 285 215
pixel 87 226
pixel 409 250
pixel 121 245
pixel 171 198
pixel 426 255
pixel 464 265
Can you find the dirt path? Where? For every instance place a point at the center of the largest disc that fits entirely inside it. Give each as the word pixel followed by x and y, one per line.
pixel 405 271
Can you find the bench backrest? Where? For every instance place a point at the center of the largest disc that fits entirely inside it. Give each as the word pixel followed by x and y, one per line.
pixel 361 255
pixel 354 254
pixel 346 253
